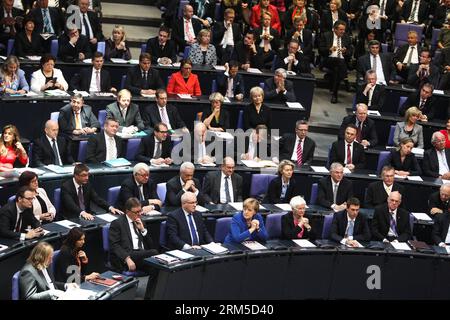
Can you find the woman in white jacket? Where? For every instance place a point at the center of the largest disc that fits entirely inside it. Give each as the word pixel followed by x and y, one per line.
pixel 48 77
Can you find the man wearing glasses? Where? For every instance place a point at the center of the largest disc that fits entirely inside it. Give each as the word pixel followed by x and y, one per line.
pixel 298 147
pixel 17 220
pixel 156 148
pixel 74 47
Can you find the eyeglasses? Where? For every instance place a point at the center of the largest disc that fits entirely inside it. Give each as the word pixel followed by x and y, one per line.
pixel 136 212
pixel 29 198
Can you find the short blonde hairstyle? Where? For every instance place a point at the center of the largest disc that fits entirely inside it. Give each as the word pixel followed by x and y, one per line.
pixel 202 33
pixel 251 204
pixel 256 90
pixel 122 92
pixel 338 3
pixel 413 111
pixel 39 255
pixel 121 30
pixel 283 164
pixel 216 96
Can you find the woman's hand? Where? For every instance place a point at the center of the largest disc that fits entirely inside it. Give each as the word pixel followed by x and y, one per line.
pixel 20 147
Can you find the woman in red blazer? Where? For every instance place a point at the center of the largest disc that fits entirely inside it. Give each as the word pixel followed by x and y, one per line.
pixel 255 19
pixel 184 81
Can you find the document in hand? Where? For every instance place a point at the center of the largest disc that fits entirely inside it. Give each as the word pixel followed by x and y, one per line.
pixel 119 162
pixel 166 259
pixel 254 245
pixel 214 248
pixel 105 282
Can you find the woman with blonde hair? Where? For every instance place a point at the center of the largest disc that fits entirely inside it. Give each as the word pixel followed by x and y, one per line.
pixel 12 152
pixel 283 188
pixel 215 117
pixel 257 112
pixel 203 52
pixel 116 47
pixel 403 160
pixel 12 78
pixel 409 128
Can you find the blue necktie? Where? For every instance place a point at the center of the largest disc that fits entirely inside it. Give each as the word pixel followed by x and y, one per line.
pixel 193 233
pixel 86 26
pixel 227 190
pixel 350 228
pixel 392 223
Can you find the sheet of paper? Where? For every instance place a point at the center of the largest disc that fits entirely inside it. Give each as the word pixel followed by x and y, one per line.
pixel 108 217
pixel 59 169
pixel 435 91
pixel 417 151
pixel 34 58
pixel 399 177
pixel 153 96
pixel 236 205
pixel 3 247
pixel 447 248
pixel 415 178
pixel 83 93
pixel 207 164
pixel 359 245
pixel 421 216
pixel 67 224
pixel 199 208
pixel 291 73
pixel 162 165
pixel 56 93
pixel 295 105
pixel 319 169
pixel 133 61
pixel 118 60
pixel 77 294
pixel 214 248
pixel 304 243
pixel 373 113
pixel 35 170
pixel 347 171
pixel 254 245
pixel 153 213
pixel 180 254
pixel 401 246
pixel 31 94
pixel 226 100
pixel 176 64
pixel 184 96
pixel 254 70
pixel 87 60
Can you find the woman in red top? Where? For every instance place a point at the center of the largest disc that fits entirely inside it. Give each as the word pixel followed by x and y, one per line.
pixel 184 81
pixel 264 5
pixel 446 133
pixel 11 149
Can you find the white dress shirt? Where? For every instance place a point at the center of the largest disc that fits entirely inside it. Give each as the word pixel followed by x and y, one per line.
pixel 379 70
pixel 93 85
pixel 191 29
pixel 442 160
pixel 294 152
pixel 227 39
pixel 223 197
pixel 414 57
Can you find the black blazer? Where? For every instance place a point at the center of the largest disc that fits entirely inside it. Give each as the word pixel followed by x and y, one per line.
pixel 175 191
pixel 407 8
pixel 252 118
pixel 69 53
pixel 361 231
pixel 168 51
pixel 368 133
pixel 24 48
pixel 364 65
pixel 112 52
pixel 211 186
pixel 96 148
pixel 430 162
pixel 69 199
pixel 55 16
pixel 291 231
pixel 409 164
pixel 381 223
pixel 238 84
pixel 287 144
pixel 433 77
pixel 178 32
pixel 326 42
pixel 434 201
pixel 178 229
pixel 95 25
pixel 65 259
pixel 274 192
pixel 224 118
pixel 218 31
pixel 326 20
pixel 147 148
pixel 121 243
pixel 66 119
pixel 325 192
pixel 429 109
pixel 239 54
pixel 306 43
pixel 271 95
pixel 376 194
pixel 440 227
pixel 377 97
pixel 8 219
pixel 337 154
pixel 302 66
pixel 82 81
pixel 129 189
pixel 400 53
pixel 274 43
pixel 43 151
pixel 134 81
pixel 151 116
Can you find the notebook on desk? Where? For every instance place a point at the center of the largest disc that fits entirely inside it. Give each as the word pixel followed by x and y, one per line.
pixel 420 246
pixel 115 163
pixel 105 282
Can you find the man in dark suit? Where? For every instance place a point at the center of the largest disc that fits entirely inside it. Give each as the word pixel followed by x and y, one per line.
pixel 77 195
pixel 303 36
pixel 370 92
pixel 8 23
pixel 348 226
pixel 414 11
pixel 424 101
pixel 231 84
pixel 348 152
pixel 440 234
pixel 378 192
pixel 291 59
pixel 141 187
pixel 407 55
pixel 334 191
pixel 215 184
pixel 424 72
pixel 163 112
pixel 336 49
pixel 126 113
pixel 248 54
pixel 56 22
pixel 265 34
pixel 278 89
pixel 439 202
pixel 436 161
pixel 390 222
pixel 95 79
pixel 381 63
pixel 90 24
pixel 17 220
pixel 74 47
pixel 225 35
pixel 161 48
pixel 445 69
pixel 131 243
pixel 299 147
pixel 366 133
pixel 105 146
pixel 182 36
pixel 161 154
pixel 182 183
pixel 185 226
pixel 77 118
pixel 51 148
pixel 141 79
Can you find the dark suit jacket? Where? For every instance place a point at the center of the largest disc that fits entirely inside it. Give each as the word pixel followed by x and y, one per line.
pixel 211 186
pixel 8 219
pixel 401 51
pixel 55 16
pixel 274 43
pixel 178 229
pixel 66 120
pixel 368 133
pixel 147 148
pixel 175 191
pixel 65 259
pixel 302 65
pixel 409 164
pixel 274 191
pixel 256 61
pixel 361 231
pixel 23 47
pixel 95 25
pixel 151 116
pixel 306 43
pixel 132 117
pixel 430 162
pixel 252 118
pixel 134 81
pixel 376 194
pixel 121 243
pixel 337 154
pixel 70 207
pixel 287 144
pixel 69 53
pixel 43 151
pixel 326 20
pixel 218 31
pixel 377 97
pixel 440 227
pixel 154 49
pixel 96 148
pixel 129 189
pixel 381 223
pixel 270 93
pixel 433 77
pixel 434 201
pixel 429 109
pixel 224 118
pixel 178 32
pixel 364 65
pixel 33 286
pixel 407 8
pixel 326 42
pixel 238 84
pixel 291 231
pixel 14 13
pixel 82 81
pixel 325 192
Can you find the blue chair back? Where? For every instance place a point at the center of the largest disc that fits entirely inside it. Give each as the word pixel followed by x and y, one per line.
pixel 240 121
pixel 391 136
pixel 260 184
pixel 401 101
pixel 273 225
pixel 384 48
pixel 222 229
pixel 181 7
pixel 434 39
pixel 161 190
pixel 101 47
pixel 10 47
pixel 102 117
pixel 113 194
pixel 105 238
pixel 15 293
pixel 54 116
pixel 163 235
pixel 217 12
pixel 327 226
pixel 262 85
pixel 12 198
pixel 274 60
pixel 401 33
pixel 187 49
pixel 314 191
pixel 411 223
pixel 57 199
pixel 82 151
pixel 382 157
pixel 214 86
pixel 132 148
pixel 54 47
pixel 143 47
pixel 122 82
pixel 55 257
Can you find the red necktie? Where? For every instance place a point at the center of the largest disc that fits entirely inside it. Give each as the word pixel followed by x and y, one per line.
pixel 349 154
pixel 299 153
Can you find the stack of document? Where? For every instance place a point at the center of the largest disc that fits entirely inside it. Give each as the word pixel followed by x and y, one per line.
pixel 295 105
pixel 254 245
pixel 119 162
pixel 59 169
pixel 304 243
pixel 56 93
pixel 67 224
pixel 214 248
pixel 108 217
pixel 402 246
pixel 180 254
pixel 166 259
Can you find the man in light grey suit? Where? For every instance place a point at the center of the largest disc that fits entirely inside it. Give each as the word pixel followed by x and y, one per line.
pixel 126 113
pixel 215 186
